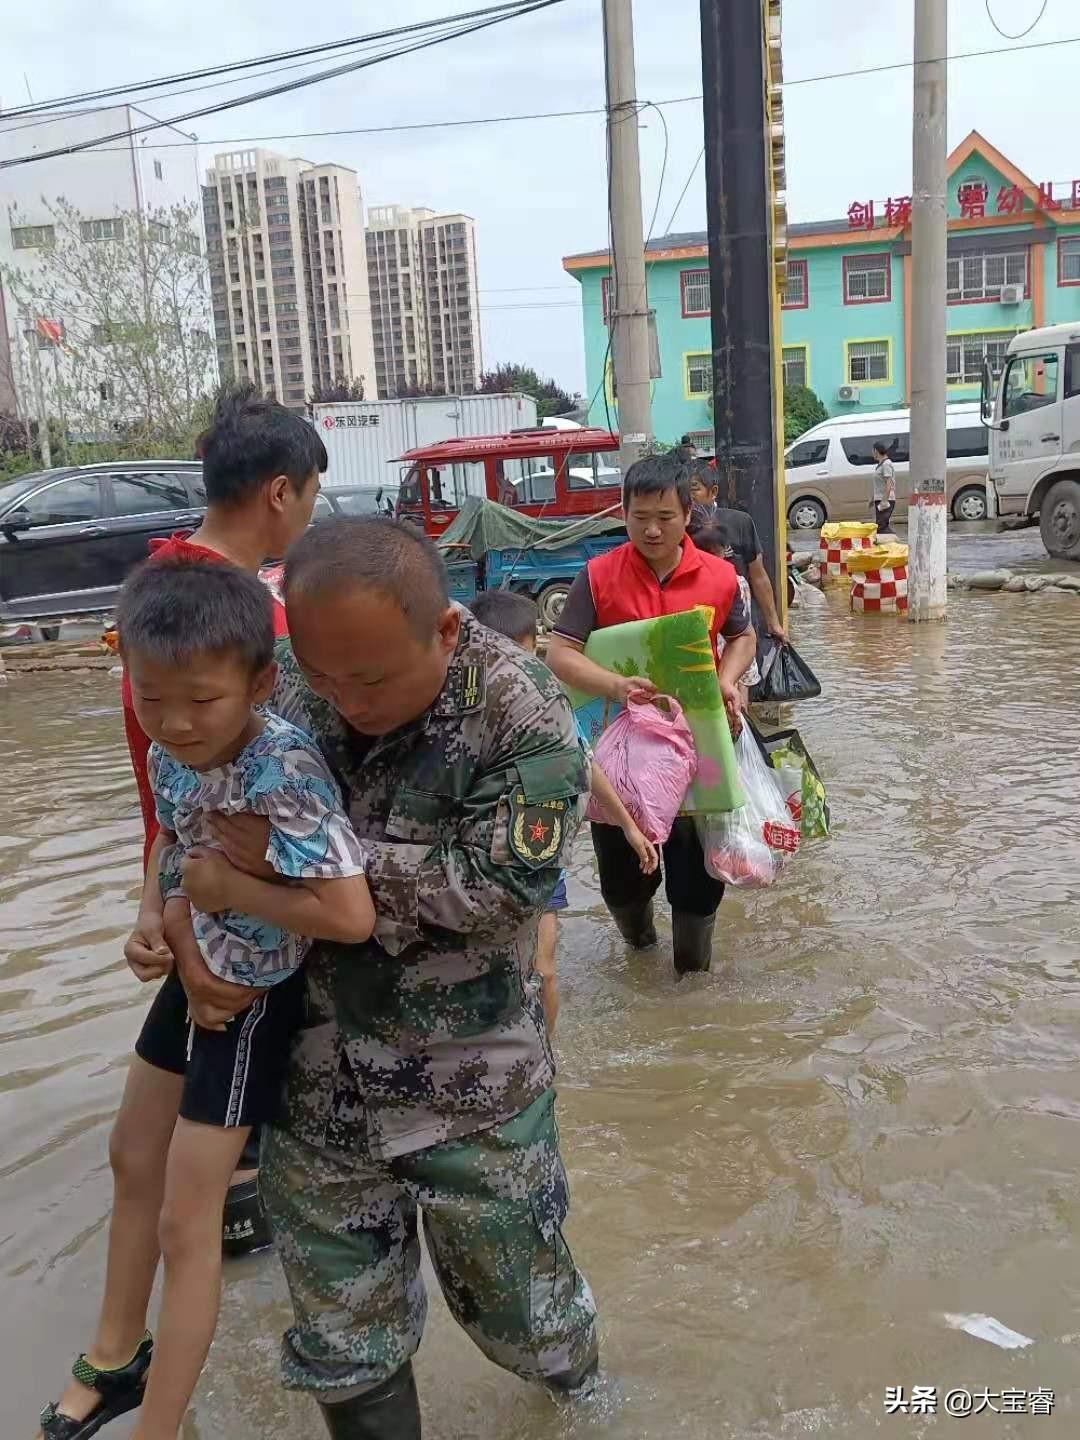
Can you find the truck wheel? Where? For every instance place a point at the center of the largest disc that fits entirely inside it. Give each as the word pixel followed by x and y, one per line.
pixel 970 504
pixel 551 601
pixel 1059 520
pixel 806 514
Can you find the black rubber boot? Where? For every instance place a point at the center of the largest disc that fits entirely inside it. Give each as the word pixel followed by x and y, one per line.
pixel 635 924
pixel 244 1226
pixel 692 937
pixel 389 1412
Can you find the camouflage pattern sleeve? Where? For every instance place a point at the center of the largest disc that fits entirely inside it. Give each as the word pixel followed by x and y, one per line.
pixel 516 821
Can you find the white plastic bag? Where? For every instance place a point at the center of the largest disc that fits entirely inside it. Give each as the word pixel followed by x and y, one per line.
pixel 748 848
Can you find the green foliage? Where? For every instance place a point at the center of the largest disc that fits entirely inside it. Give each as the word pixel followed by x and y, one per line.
pixel 550 399
pixel 802 409
pixel 337 392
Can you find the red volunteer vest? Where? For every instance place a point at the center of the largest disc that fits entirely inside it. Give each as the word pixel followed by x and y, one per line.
pixel 625 588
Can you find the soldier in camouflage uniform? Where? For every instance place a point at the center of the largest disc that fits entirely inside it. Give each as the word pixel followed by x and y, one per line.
pixel 421 1080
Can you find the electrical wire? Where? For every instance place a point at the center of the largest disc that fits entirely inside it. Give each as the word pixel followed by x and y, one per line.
pixel 685 188
pixel 257 60
pixel 479 120
pixel 1004 33
pixel 274 91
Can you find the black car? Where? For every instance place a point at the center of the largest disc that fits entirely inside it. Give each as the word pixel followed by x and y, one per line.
pixel 68 537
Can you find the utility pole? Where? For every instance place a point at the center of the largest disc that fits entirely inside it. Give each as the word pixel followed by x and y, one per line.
pixel 927 517
pixel 629 302
pixel 740 67
pixel 30 331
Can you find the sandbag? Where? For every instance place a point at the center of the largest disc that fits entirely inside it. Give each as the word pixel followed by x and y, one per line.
pixel 648 755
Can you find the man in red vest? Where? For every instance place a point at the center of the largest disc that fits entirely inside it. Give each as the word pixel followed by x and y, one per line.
pixel 659 571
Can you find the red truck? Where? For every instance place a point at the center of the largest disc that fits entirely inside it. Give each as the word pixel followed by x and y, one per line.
pixel 557 474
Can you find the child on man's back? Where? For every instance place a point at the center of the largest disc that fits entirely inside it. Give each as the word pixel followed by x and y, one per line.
pixel 197 641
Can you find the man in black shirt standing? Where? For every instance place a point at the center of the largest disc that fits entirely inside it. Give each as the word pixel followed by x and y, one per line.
pixel 741 545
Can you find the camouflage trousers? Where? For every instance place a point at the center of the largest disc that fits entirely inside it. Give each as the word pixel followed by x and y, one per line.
pixel 492 1204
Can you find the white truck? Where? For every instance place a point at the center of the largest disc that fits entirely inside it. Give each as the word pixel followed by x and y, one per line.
pixel 1033 414
pixel 364 438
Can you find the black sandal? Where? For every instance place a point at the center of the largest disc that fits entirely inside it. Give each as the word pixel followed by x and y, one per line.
pixel 121 1390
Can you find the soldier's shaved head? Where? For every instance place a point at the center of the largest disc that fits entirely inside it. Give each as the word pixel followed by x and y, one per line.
pixel 388 557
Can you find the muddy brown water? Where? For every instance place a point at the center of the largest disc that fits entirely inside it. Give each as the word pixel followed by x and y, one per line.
pixel 784 1174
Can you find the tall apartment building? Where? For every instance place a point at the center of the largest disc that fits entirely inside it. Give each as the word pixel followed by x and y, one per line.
pixel 288 273
pixel 425 314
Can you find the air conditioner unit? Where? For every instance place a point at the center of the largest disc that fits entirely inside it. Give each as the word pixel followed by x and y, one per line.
pixel 1012 294
pixel 847 394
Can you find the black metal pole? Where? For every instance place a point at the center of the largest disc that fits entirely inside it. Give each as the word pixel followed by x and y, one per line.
pixel 738 190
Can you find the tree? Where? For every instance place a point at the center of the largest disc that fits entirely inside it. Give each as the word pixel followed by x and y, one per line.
pixel 119 310
pixel 802 408
pixel 550 399
pixel 338 391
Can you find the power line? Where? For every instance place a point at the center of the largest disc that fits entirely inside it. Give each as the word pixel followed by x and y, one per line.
pixel 275 90
pixel 1020 35
pixel 257 60
pixel 479 120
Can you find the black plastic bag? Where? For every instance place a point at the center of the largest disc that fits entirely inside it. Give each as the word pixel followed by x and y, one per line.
pixel 787 677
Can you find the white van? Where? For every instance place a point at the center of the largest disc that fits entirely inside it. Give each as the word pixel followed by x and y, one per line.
pixel 829 470
pixel 1033 411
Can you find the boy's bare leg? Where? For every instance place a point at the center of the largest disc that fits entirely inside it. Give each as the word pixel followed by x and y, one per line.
pixel 202 1159
pixel 547 938
pixel 138 1152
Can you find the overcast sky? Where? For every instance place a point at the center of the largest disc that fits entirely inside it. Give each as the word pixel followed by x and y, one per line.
pixel 536 188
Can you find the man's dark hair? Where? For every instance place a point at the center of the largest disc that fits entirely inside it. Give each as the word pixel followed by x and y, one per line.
pixel 700 469
pixel 656 474
pixel 880 448
pixel 250 440
pixel 506 611
pixel 172 610
pixel 391 557
pixel 687 441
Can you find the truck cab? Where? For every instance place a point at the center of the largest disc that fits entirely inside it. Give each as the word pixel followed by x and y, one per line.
pixel 554 473
pixel 1032 410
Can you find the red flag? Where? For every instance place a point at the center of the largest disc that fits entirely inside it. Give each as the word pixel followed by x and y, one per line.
pixel 51 330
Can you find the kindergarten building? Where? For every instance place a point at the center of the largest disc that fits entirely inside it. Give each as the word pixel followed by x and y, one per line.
pixel 1013 263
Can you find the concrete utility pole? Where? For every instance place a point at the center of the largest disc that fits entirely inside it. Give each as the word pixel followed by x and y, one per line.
pixel 740 189
pixel 928 515
pixel 629 298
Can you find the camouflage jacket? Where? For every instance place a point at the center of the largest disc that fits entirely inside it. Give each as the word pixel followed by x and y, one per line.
pixel 433 1029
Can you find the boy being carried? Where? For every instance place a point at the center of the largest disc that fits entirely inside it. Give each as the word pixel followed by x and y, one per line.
pixel 515 616
pixel 197 641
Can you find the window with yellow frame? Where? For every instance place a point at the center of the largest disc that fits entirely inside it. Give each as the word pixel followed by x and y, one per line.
pixel 868 362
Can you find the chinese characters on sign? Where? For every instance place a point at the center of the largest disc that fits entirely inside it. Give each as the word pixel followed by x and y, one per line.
pixel 350 422
pixel 930 1400
pixel 974 199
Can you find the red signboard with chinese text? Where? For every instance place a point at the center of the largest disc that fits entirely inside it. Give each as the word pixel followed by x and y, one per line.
pixel 975 200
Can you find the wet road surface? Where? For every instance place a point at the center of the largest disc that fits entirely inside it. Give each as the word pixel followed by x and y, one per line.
pixel 784 1174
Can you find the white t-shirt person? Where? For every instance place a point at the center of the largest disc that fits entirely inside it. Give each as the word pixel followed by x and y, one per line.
pixel 884 501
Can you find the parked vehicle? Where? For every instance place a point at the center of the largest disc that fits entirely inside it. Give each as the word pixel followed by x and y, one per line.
pixel 364 439
pixel 554 473
pixel 68 537
pixel 538 556
pixel 829 470
pixel 353 500
pixel 1033 414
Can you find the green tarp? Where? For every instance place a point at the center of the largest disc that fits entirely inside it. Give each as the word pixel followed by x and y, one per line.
pixel 484 525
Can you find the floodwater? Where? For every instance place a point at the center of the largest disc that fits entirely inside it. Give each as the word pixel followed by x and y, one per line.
pixel 785 1174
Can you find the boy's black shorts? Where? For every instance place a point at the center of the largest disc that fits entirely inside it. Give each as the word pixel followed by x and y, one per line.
pixel 234 1076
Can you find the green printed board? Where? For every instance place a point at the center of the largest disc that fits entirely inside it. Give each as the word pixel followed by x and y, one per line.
pixel 675 653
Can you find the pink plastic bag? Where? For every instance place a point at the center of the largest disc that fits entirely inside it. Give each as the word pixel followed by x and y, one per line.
pixel 648 754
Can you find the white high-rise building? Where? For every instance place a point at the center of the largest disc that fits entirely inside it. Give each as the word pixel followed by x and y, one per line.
pixel 126 175
pixel 288 273
pixel 425 315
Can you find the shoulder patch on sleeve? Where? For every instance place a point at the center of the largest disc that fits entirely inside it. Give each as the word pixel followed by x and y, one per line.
pixel 537 829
